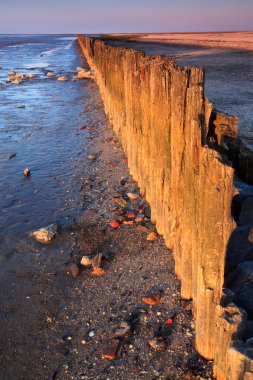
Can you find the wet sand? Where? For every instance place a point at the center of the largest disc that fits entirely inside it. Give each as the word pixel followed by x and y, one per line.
pixel 55 326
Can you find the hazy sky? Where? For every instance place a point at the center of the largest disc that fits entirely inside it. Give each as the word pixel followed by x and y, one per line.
pixel 107 16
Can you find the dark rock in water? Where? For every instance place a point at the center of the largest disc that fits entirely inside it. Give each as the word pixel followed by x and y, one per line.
pixel 246 214
pixel 12 155
pixel 20 106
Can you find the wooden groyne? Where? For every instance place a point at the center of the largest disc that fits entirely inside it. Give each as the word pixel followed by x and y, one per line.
pixel 167 128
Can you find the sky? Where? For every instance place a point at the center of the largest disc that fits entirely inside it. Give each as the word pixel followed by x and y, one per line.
pixel 112 16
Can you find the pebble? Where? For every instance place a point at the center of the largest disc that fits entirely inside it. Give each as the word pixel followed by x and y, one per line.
pixel 45 235
pixel 92 333
pixel 158 344
pixel 91 158
pixel 63 78
pixel 20 106
pixel 27 172
pixel 50 74
pixel 86 261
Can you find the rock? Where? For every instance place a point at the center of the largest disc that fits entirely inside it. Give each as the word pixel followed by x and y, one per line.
pixel 82 74
pixel 92 333
pixel 152 236
pixel 130 215
pixel 114 224
pixel 51 74
pixel 45 235
pixel 158 344
pixel 27 172
pixel 20 106
pixel 132 195
pixel 91 157
pixel 16 81
pixel 74 270
pixel 122 330
pixel 1 67
pixel 120 201
pixel 98 272
pixel 86 261
pixel 139 218
pixel 80 68
pixel 11 73
pixel 20 76
pixel 63 78
pixel 31 75
pixel 152 300
pixel 12 155
pixel 112 350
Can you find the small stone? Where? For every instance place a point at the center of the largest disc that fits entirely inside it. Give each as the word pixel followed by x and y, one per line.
pixel 91 157
pixel 132 195
pixel 11 73
pixel 152 300
pixel 120 201
pixel 27 172
pixel 63 78
pixel 92 333
pixel 139 218
pixel 123 329
pixel 158 344
pixel 45 235
pixel 20 76
pixel 152 236
pixel 112 350
pixel 20 106
pixel 12 155
pixel 31 75
pixel 16 81
pixel 86 261
pixel 50 74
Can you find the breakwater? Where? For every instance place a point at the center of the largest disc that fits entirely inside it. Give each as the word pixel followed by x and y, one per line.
pixel 174 142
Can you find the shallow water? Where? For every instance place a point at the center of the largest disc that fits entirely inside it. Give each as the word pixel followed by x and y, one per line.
pixel 228 75
pixel 44 136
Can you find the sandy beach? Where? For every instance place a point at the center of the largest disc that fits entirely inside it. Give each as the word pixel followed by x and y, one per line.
pixel 233 40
